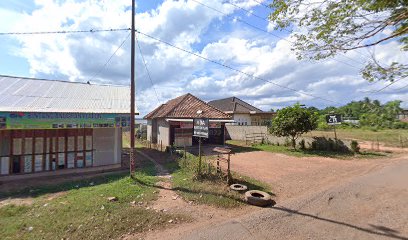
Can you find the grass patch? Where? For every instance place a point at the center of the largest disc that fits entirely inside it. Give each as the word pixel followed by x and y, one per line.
pixel 390 137
pixel 84 212
pixel 239 146
pixel 210 189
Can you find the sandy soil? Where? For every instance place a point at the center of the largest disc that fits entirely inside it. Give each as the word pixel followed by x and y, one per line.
pixel 291 179
pixel 170 202
pixel 369 206
pixel 291 176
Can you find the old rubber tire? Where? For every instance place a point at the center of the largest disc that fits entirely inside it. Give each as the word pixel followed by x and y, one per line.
pixel 258 198
pixel 238 187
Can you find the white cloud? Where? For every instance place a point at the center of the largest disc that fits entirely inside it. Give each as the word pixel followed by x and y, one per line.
pixel 188 25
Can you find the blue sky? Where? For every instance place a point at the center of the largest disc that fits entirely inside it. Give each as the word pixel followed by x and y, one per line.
pixel 191 26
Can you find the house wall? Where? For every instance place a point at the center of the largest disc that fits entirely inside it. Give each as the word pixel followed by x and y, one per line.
pixel 107 144
pixel 163 132
pixel 242 119
pixel 149 130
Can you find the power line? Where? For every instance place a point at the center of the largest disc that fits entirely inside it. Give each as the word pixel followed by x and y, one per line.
pixel 385 87
pixel 66 31
pixel 263 4
pixel 249 12
pixel 357 50
pixel 267 20
pixel 261 29
pixel 147 70
pixel 234 69
pixel 110 58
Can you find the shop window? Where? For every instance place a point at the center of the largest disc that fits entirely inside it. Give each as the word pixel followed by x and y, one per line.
pixel 71 160
pixel 28 146
pixel 17 142
pixel 47 162
pixel 28 164
pixel 39 145
pixel 88 142
pixel 61 161
pixel 61 144
pixel 4 165
pixel 88 158
pixel 80 143
pixel 80 159
pixel 38 163
pixel 71 144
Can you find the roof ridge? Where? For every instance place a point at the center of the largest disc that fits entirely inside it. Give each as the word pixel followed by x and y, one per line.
pixel 248 104
pixel 183 97
pixel 56 80
pixel 208 104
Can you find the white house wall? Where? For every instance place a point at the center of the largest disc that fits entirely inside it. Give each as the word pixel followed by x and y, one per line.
pixel 241 119
pixel 149 130
pixel 163 132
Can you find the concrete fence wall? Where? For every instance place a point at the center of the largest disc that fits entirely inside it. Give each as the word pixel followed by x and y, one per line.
pixel 235 132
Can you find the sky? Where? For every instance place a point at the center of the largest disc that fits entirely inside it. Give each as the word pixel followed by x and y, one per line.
pixel 269 75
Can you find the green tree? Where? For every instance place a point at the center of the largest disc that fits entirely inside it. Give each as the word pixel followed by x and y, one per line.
pixel 334 26
pixel 293 122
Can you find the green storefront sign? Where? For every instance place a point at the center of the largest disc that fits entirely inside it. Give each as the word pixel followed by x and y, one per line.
pixel 27 120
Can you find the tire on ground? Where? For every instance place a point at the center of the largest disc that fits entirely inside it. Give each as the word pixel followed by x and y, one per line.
pixel 258 198
pixel 238 187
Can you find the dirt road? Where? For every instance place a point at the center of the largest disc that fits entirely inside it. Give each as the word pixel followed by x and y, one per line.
pixel 365 199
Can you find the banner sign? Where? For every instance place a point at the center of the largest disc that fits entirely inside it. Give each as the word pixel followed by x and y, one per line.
pixel 200 127
pixel 23 120
pixel 333 119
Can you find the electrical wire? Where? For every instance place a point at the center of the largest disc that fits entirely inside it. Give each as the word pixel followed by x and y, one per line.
pixel 263 30
pixel 66 31
pixel 263 4
pixel 147 70
pixel 357 50
pixel 110 58
pixel 234 69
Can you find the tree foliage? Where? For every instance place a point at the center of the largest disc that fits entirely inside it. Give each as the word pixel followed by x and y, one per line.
pixel 370 113
pixel 333 26
pixel 293 121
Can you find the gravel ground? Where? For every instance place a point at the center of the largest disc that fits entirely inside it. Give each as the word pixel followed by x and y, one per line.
pixel 320 198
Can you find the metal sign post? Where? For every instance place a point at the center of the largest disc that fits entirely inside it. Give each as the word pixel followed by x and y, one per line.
pixel 334 119
pixel 200 130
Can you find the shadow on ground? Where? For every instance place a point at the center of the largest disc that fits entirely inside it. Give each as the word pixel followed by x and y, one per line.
pixel 64 183
pixel 375 229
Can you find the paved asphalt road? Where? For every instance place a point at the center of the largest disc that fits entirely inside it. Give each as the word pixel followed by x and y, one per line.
pixel 372 206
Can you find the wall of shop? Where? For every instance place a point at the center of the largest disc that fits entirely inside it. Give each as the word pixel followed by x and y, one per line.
pixel 107 144
pixel 32 151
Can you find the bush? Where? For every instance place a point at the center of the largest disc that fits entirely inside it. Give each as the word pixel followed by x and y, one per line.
pixel 354 146
pixel 324 144
pixel 288 143
pixel 302 144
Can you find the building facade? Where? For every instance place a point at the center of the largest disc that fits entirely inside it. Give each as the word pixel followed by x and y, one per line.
pixel 171 124
pixel 243 113
pixel 53 126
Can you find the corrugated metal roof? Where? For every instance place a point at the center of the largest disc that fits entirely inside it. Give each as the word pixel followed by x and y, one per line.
pixel 38 95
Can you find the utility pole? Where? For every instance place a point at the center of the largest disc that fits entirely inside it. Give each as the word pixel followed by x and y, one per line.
pixel 132 95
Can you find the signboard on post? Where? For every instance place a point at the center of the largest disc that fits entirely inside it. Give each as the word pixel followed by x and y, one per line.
pixel 200 126
pixel 333 119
